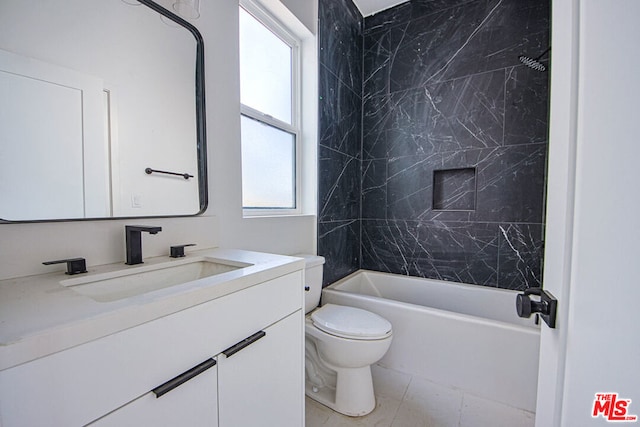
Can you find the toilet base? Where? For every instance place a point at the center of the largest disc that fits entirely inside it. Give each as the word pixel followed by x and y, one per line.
pixel 352 394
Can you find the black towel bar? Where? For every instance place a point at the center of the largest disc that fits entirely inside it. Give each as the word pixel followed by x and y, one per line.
pixel 184 175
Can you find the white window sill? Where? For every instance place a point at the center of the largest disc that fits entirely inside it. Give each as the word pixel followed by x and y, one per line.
pixel 278 215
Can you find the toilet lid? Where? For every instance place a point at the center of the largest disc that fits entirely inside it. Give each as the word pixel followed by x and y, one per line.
pixel 350 322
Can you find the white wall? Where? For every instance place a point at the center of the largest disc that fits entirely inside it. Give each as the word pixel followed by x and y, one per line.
pixel 306 11
pixel 219 27
pixel 23 247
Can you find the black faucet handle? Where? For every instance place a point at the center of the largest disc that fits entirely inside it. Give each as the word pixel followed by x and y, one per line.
pixel 178 250
pixel 74 265
pixel 140 228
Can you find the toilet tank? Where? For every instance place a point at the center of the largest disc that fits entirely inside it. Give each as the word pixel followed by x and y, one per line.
pixel 313 279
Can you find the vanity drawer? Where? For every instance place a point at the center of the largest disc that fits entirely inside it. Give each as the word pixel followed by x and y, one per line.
pixel 78 385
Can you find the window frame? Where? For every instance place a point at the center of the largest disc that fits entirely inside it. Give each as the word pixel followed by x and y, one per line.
pixel 287 36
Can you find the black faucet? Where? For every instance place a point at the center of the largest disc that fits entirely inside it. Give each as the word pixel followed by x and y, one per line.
pixel 133 239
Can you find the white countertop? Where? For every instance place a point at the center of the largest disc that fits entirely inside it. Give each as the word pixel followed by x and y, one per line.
pixel 39 316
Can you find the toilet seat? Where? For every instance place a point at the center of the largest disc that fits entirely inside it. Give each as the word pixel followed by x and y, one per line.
pixel 350 322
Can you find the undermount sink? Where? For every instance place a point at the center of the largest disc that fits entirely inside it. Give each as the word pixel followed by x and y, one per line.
pixel 133 281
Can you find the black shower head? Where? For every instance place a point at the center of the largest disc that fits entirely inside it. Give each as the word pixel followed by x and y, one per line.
pixel 534 62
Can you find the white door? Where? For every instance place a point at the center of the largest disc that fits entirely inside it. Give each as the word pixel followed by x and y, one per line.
pixel 593 240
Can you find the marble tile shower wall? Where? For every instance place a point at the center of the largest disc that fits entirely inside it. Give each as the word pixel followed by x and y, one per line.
pixel 444 91
pixel 453 153
pixel 340 137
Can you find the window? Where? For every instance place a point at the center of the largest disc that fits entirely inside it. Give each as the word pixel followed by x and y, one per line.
pixel 269 96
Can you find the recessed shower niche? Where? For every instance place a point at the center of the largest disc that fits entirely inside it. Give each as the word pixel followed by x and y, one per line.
pixel 454 189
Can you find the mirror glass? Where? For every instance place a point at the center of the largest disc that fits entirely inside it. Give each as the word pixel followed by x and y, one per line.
pixel 94 95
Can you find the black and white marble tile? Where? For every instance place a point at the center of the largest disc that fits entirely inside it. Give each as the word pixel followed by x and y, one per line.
pixel 503 255
pixel 338 185
pixel 410 186
pixel 511 183
pixel 340 123
pixel 339 243
pixel 426 48
pixel 454 115
pixel 470 109
pixel 527 106
pixel 520 256
pixel 461 252
pixel 441 89
pixel 340 137
pixel 465 39
pixel 508 29
pixel 384 247
pixel 340 40
pixel 376 64
pixel 409 125
pixel 374 188
pixel 376 118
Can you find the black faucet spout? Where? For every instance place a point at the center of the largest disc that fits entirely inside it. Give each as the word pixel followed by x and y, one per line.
pixel 133 241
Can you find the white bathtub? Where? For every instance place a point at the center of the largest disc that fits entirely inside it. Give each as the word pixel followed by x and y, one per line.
pixel 462 336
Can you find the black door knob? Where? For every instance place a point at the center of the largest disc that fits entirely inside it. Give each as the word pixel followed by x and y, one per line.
pixel 523 305
pixel 546 306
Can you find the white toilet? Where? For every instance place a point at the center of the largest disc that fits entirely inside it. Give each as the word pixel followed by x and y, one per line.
pixel 341 344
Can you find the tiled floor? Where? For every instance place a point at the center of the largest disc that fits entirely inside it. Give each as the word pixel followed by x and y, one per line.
pixel 405 401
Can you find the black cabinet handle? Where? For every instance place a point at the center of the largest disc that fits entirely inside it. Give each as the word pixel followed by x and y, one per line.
pixel 183 377
pixel 244 343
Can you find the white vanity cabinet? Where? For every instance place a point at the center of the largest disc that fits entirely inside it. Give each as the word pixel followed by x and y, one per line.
pixel 258 385
pixel 109 381
pixel 192 403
